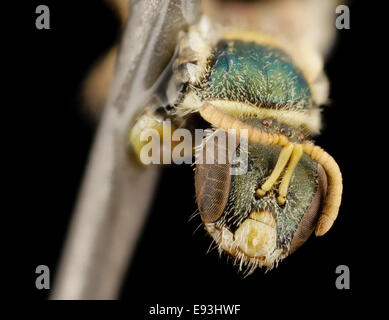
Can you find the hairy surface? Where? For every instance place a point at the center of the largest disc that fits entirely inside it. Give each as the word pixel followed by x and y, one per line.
pixel 238 228
pixel 257 74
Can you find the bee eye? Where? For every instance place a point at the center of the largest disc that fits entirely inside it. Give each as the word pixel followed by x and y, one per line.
pixel 212 183
pixel 285 131
pixel 309 220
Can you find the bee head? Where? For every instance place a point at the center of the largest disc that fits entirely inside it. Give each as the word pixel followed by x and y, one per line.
pixel 258 231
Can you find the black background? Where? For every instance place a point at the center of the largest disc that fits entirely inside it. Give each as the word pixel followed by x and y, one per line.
pixel 171 265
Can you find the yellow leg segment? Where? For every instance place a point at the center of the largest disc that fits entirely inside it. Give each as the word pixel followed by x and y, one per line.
pixel 294 159
pixel 280 165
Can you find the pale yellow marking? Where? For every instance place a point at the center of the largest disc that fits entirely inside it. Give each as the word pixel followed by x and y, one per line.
pixel 307 117
pixel 255 239
pixel 263 216
pixel 146 122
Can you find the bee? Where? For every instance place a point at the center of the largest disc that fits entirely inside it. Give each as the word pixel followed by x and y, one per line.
pixel 250 72
pixel 237 79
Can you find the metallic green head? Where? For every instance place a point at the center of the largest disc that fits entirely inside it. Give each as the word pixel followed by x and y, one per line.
pixel 258 231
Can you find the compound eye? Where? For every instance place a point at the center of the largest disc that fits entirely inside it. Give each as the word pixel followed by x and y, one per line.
pixel 213 181
pixel 212 184
pixel 309 220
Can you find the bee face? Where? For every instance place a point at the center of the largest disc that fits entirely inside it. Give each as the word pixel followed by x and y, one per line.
pixel 258 231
